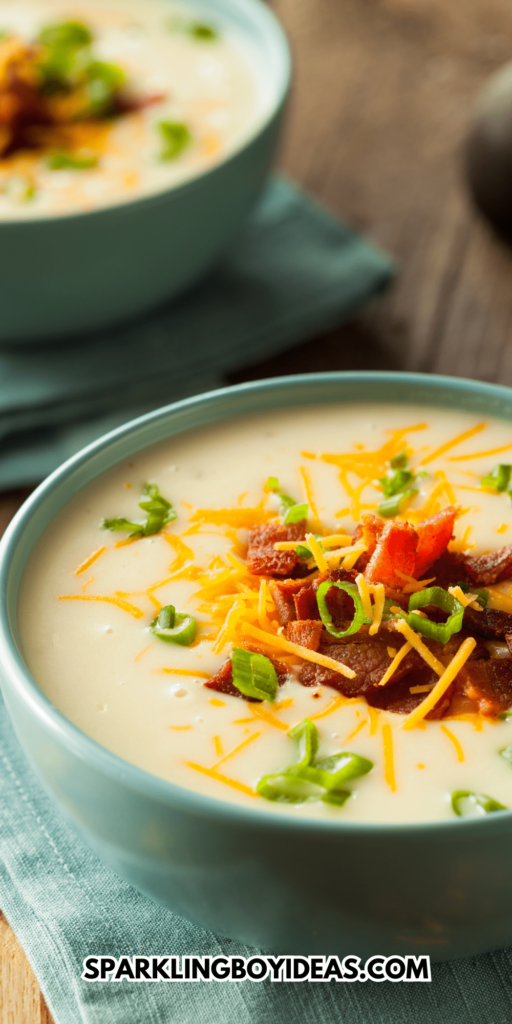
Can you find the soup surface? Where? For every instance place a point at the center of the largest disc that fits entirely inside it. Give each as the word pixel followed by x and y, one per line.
pixel 107 101
pixel 114 586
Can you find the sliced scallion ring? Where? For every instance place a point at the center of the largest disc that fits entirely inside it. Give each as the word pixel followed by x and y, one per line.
pixel 174 627
pixel 441 631
pixel 325 615
pixel 467 804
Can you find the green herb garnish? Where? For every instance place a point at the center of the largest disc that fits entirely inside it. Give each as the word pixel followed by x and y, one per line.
pixel 159 513
pixel 464 801
pixel 359 616
pixel 397 504
pixel 174 627
pixel 103 81
pixel 290 511
pixel 397 489
pixel 506 753
pixel 498 478
pixel 311 779
pixel 176 137
pixel 200 30
pixel 254 674
pixel 68 162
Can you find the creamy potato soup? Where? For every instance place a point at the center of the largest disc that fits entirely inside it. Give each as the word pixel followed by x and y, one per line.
pixel 306 611
pixel 105 101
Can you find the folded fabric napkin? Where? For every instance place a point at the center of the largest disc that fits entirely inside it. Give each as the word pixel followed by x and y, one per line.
pixel 64 905
pixel 293 272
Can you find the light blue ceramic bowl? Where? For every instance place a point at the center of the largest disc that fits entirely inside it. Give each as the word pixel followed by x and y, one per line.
pixel 292 885
pixel 76 272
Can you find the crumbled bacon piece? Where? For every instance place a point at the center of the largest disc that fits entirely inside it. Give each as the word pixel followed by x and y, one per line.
pixel 488 684
pixel 283 594
pixel 399 699
pixel 434 535
pixel 368 532
pixel 491 568
pixel 306 632
pixel 491 624
pixel 222 681
pixel 449 570
pixel 262 558
pixel 395 553
pixel 367 656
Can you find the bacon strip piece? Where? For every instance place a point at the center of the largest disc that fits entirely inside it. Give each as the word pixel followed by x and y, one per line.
pixel 369 659
pixel 491 568
pixel 488 684
pixel 491 624
pixel 263 559
pixel 434 535
pixel 395 552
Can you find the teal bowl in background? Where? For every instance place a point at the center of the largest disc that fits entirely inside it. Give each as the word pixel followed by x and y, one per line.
pixel 73 273
pixel 285 884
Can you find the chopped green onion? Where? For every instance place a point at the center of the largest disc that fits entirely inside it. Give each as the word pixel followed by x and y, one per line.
pixel 20 187
pixel 174 627
pixel 176 138
pixel 69 34
pixel 498 478
pixel 254 674
pixel 200 30
pixel 505 715
pixel 306 733
pixel 160 512
pixel 397 483
pixel 325 615
pixel 66 161
pixel 464 802
pixel 290 510
pixel 507 751
pixel 441 631
pixel 313 780
pixel 397 504
pixel 103 81
pixel 302 551
pixel 295 514
pixel 399 461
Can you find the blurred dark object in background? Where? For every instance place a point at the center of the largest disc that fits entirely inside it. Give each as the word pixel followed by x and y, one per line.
pixel 489 152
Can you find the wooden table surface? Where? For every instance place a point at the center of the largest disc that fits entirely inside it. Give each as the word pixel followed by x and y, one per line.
pixel 381 101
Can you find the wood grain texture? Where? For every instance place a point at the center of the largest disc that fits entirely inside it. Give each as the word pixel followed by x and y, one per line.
pixel 380 106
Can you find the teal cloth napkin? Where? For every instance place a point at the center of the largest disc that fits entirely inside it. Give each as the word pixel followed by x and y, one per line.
pixel 294 271
pixel 64 905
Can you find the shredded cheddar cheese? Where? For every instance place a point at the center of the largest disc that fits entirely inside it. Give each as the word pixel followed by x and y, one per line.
pixel 404 628
pixel 89 561
pixel 379 597
pixel 465 599
pixel 241 746
pixel 351 556
pixel 500 600
pixel 457 662
pixel 395 663
pixel 412 585
pixel 450 735
pixel 221 778
pixel 451 444
pixel 317 552
pixel 389 767
pixel 364 594
pixel 303 652
pixel 123 605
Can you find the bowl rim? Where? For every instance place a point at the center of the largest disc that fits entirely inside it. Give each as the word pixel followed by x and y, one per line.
pixel 275 32
pixel 86 749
